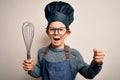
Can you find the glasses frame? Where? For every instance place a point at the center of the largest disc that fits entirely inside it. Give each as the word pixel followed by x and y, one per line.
pixel 56 29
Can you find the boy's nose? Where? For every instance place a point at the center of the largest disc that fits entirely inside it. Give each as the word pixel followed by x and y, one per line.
pixel 56 32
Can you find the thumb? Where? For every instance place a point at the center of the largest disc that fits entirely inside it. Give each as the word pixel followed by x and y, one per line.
pixel 30 61
pixel 95 51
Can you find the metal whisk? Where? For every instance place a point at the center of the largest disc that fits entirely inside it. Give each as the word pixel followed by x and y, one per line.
pixel 28 34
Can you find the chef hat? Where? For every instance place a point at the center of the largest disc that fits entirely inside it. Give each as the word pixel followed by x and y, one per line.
pixel 59 11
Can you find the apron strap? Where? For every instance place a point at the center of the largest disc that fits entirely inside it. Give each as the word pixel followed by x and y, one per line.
pixel 67 52
pixel 65 48
pixel 46 51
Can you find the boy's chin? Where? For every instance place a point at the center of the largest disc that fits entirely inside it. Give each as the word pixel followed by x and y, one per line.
pixel 56 45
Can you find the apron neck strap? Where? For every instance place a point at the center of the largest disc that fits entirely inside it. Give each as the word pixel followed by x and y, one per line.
pixel 67 52
pixel 65 48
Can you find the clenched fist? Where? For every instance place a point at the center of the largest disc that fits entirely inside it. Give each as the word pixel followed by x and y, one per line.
pixel 28 65
pixel 98 56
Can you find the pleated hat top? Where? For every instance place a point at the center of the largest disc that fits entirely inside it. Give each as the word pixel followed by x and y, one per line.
pixel 59 11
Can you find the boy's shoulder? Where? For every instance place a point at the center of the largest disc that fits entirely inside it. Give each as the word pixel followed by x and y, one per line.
pixel 41 50
pixel 74 51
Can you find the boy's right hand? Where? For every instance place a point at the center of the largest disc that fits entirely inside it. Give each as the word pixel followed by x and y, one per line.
pixel 28 65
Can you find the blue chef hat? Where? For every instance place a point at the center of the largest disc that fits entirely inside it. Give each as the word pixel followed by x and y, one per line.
pixel 59 11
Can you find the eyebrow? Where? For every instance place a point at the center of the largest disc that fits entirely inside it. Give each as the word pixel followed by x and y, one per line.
pixel 59 27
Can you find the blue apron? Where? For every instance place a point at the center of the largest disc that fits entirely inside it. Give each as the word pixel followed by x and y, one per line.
pixel 56 70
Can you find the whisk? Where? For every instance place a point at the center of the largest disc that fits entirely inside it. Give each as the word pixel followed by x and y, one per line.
pixel 28 34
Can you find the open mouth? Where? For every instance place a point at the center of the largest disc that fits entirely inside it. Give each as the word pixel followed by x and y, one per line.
pixel 56 39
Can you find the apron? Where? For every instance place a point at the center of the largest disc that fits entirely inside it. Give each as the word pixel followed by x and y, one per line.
pixel 56 70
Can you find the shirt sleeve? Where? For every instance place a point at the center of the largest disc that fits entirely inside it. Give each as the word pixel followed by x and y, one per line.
pixel 36 72
pixel 88 71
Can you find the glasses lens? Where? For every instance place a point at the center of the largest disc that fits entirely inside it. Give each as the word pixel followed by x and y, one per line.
pixel 62 31
pixel 51 30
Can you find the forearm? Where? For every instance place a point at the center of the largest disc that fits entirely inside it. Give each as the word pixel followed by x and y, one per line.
pixel 91 70
pixel 36 72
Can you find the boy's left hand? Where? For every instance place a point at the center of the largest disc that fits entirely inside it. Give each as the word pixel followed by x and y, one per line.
pixel 98 56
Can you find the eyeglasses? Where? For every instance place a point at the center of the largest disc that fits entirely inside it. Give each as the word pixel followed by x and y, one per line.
pixel 61 30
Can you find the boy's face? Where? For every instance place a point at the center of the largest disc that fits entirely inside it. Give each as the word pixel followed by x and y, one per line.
pixel 57 32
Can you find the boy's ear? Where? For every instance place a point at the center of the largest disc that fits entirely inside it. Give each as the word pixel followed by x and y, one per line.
pixel 68 32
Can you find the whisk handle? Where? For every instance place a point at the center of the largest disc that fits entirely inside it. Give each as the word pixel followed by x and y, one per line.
pixel 28 55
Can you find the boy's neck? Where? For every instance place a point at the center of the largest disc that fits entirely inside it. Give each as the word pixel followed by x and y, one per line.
pixel 58 47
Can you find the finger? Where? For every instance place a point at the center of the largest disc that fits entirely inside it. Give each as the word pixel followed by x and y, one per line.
pixel 28 61
pixel 27 68
pixel 97 51
pixel 99 54
pixel 27 64
pixel 98 57
pixel 98 61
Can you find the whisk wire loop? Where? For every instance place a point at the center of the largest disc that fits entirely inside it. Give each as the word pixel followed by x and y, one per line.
pixel 28 34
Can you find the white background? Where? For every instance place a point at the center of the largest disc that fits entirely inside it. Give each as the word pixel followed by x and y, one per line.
pixel 96 25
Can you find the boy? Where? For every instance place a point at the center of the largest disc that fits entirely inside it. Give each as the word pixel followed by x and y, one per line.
pixel 58 61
